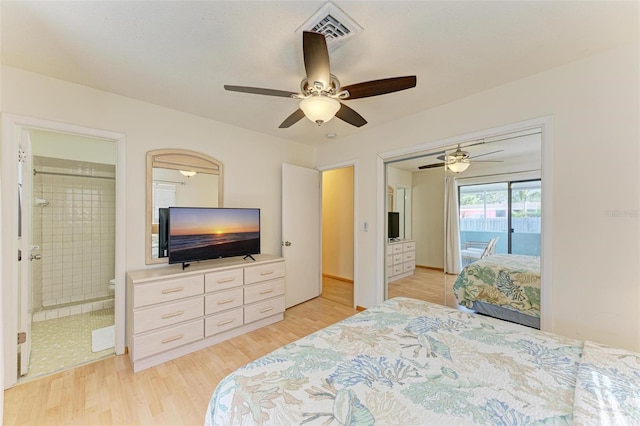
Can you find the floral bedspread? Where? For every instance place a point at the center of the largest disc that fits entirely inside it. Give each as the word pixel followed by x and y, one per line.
pixel 508 280
pixel 608 387
pixel 411 362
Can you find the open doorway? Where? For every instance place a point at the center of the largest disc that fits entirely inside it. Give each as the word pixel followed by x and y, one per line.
pixel 60 270
pixel 338 235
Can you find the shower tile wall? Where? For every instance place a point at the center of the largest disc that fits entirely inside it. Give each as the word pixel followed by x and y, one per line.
pixel 75 232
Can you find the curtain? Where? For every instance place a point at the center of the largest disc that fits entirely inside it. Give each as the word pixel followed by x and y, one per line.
pixel 452 263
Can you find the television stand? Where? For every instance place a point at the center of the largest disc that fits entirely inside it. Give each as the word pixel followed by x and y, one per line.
pixel 249 256
pixel 185 265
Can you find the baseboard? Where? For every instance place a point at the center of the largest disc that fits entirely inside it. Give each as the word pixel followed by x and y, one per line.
pixel 430 267
pixel 333 277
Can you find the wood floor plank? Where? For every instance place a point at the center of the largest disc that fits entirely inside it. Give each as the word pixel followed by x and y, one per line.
pixel 177 392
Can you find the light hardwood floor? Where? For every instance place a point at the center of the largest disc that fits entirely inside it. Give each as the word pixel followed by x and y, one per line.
pixel 107 392
pixel 337 290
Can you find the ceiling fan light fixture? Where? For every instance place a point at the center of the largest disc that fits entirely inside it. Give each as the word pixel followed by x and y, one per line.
pixel 459 166
pixel 319 109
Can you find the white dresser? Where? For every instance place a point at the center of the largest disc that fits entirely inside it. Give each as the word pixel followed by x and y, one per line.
pixel 401 259
pixel 172 312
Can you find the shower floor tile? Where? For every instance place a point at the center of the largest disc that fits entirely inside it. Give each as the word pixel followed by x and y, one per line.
pixel 63 343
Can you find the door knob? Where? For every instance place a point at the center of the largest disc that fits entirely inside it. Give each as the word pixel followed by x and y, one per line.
pixel 286 243
pixel 35 256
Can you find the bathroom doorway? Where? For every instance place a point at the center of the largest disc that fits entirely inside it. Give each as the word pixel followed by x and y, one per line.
pixel 71 255
pixel 58 293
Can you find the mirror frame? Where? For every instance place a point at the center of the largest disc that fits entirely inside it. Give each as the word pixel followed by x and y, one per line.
pixel 175 159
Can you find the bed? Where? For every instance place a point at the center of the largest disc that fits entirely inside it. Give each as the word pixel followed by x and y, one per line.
pixel 411 362
pixel 505 286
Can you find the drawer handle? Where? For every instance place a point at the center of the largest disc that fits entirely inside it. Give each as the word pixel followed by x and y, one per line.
pixel 173 314
pixel 229 321
pixel 225 280
pixel 266 272
pixel 262 311
pixel 171 339
pixel 266 291
pixel 222 302
pixel 172 290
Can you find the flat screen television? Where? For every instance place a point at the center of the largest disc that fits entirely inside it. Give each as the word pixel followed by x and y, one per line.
pixel 394 225
pixel 200 233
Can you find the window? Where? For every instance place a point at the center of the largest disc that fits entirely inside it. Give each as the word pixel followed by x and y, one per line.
pixel 510 211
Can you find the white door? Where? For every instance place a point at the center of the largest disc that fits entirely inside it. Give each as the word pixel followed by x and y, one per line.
pixel 301 232
pixel 28 254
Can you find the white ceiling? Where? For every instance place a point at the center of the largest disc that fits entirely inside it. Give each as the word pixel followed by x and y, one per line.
pixel 179 54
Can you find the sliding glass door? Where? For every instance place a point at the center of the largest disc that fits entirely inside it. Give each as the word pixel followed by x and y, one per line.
pixel 525 217
pixel 508 211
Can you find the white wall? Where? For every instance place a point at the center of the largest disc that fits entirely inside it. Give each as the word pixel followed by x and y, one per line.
pixel 252 161
pixel 595 179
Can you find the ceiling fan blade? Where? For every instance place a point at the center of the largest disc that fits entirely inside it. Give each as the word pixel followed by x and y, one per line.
pixel 316 58
pixel 348 115
pixel 260 91
pixel 431 166
pixel 380 87
pixel 488 153
pixel 292 119
pixel 442 157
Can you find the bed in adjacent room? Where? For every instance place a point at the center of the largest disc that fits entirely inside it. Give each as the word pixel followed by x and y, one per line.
pixel 412 362
pixel 505 286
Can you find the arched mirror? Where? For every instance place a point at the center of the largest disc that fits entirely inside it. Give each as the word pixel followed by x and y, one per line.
pixel 180 178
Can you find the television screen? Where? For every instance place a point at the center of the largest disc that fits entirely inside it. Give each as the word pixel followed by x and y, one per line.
pixel 394 225
pixel 197 233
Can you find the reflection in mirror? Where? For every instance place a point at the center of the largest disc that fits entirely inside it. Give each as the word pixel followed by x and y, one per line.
pixel 414 259
pixel 448 215
pixel 177 178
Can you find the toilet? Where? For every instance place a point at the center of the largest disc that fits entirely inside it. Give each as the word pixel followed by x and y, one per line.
pixel 112 285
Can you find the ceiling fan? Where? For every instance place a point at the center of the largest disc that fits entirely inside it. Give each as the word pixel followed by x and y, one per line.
pixel 320 91
pixel 459 160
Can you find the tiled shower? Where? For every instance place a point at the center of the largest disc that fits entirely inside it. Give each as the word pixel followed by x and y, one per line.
pixel 73 230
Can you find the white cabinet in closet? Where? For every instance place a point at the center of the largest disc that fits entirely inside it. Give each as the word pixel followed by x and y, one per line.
pixel 401 259
pixel 172 312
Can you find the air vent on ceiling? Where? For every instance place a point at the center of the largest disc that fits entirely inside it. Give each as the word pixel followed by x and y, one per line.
pixel 334 23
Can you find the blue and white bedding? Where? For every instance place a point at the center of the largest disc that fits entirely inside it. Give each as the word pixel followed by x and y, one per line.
pixel 411 362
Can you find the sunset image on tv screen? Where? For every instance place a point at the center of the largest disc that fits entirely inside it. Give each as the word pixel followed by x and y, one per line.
pixel 209 233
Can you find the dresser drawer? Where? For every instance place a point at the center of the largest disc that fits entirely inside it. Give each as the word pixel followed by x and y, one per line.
pixel 398 269
pixel 257 292
pixel 222 280
pixel 169 338
pixel 396 248
pixel 389 259
pixel 408 256
pixel 218 302
pixel 222 322
pixel 409 266
pixel 167 290
pixel 397 258
pixel 263 309
pixel 409 246
pixel 162 316
pixel 255 274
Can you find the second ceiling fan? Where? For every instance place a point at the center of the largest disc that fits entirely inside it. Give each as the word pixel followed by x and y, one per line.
pixel 320 91
pixel 459 160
